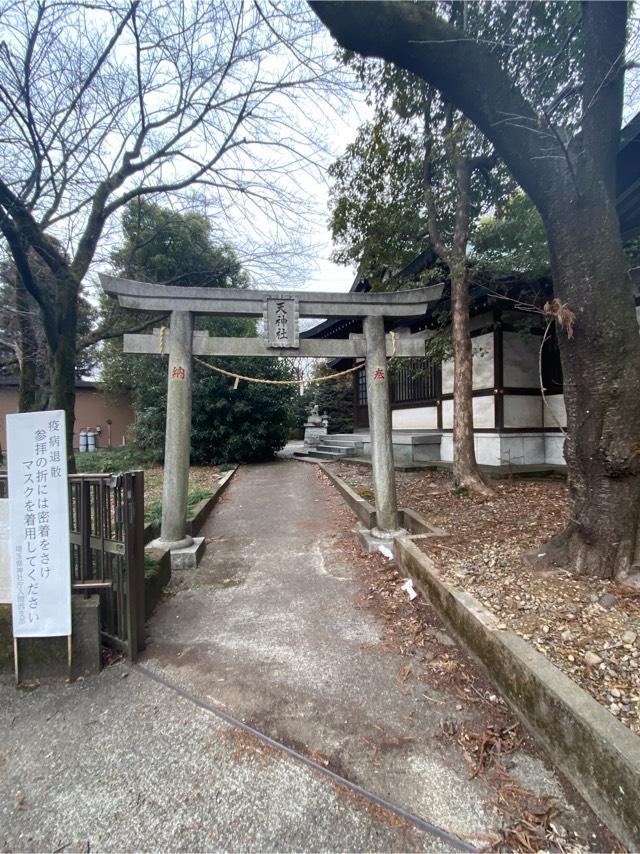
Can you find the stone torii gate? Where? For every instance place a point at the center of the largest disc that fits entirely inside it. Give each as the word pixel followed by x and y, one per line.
pixel 281 311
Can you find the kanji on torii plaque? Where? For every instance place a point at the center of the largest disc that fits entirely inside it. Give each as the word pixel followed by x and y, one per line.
pixel 281 319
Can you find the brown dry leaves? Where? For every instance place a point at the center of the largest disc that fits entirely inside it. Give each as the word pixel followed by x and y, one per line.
pixel 563 616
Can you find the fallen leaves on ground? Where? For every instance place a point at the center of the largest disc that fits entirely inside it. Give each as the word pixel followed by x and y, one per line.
pixel 589 628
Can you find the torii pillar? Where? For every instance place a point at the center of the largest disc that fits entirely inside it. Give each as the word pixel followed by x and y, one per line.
pixel 384 480
pixel 177 445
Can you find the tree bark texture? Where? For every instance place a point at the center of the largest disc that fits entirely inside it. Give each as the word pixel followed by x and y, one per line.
pixel 62 349
pixel 27 392
pixel 601 368
pixel 573 186
pixel 466 474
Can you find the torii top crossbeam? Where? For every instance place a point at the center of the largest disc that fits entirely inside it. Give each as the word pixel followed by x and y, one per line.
pixel 223 302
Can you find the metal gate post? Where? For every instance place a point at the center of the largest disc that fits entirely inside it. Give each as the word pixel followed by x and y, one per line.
pixel 133 565
pixel 138 503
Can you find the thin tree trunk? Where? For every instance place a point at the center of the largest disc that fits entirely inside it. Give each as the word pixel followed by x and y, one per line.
pixel 466 474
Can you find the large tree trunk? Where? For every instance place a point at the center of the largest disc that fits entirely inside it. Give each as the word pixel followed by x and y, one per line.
pixel 573 186
pixel 466 474
pixel 62 351
pixel 27 391
pixel 63 392
pixel 601 367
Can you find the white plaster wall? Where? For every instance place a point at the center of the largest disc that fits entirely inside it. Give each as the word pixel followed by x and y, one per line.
pixel 502 449
pixel 447 414
pixel 522 411
pixel 555 407
pixel 554 449
pixel 447 377
pixel 483 361
pixel 520 360
pixel 521 450
pixel 512 450
pixel 482 348
pixel 488 449
pixel 422 417
pixel 534 449
pixel 483 412
pixel 446 448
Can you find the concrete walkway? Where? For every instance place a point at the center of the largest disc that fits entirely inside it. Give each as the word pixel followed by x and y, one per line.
pixel 267 630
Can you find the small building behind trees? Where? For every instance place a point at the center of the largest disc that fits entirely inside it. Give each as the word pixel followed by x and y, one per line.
pixel 109 415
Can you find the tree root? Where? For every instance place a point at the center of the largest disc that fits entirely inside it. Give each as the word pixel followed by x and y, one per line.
pixel 473 484
pixel 552 554
pixel 569 549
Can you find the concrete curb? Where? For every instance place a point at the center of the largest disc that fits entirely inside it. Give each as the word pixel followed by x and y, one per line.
pixel 366 512
pixel 598 754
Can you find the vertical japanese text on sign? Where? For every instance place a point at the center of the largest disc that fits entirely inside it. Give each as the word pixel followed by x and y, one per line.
pixel 39 524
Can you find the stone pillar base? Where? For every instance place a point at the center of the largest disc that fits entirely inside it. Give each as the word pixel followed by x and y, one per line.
pixel 171 545
pixel 387 535
pixel 189 556
pixel 313 434
pixel 372 542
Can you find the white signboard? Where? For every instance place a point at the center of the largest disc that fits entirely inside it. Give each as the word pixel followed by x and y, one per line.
pixel 5 554
pixel 39 524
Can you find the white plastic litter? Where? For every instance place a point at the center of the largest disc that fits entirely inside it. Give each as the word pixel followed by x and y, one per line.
pixel 408 586
pixel 386 551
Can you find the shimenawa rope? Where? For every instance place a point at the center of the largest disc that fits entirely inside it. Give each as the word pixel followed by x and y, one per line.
pixel 237 377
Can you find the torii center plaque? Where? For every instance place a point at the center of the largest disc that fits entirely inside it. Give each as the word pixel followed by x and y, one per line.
pixel 281 320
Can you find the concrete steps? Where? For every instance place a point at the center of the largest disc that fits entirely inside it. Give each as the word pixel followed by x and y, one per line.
pixel 333 448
